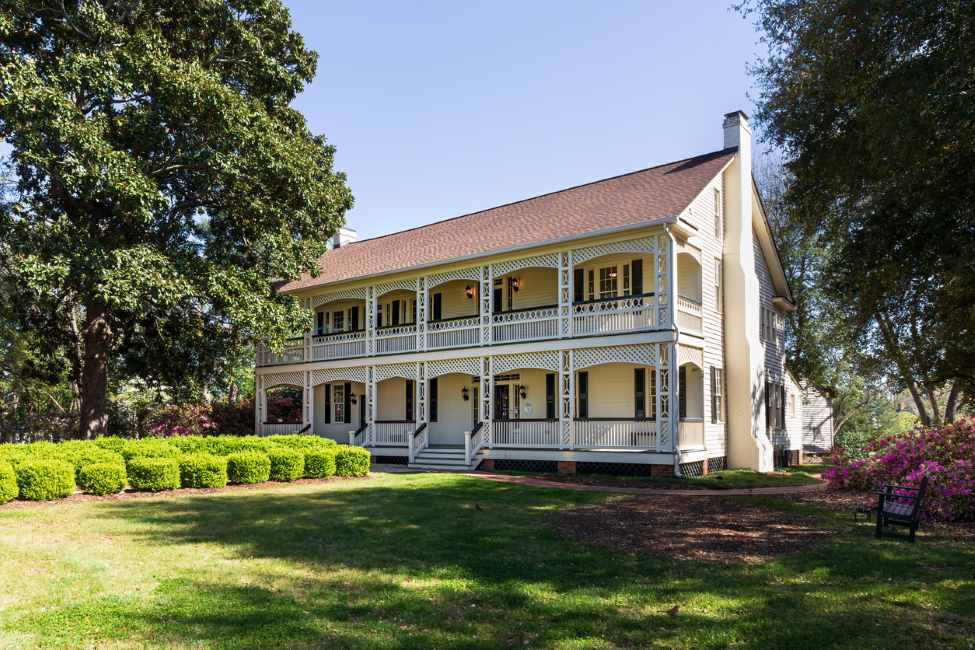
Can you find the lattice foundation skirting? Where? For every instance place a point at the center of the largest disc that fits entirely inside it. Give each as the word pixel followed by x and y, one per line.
pixel 614 469
pixel 391 460
pixel 786 457
pixel 692 470
pixel 518 465
pixel 717 464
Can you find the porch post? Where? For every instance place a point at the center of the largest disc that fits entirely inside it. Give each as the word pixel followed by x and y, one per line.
pixel 370 320
pixel 664 281
pixel 420 390
pixel 568 399
pixel 306 303
pixel 666 398
pixel 566 292
pixel 307 401
pixel 371 404
pixel 487 398
pixel 258 402
pixel 421 313
pixel 487 303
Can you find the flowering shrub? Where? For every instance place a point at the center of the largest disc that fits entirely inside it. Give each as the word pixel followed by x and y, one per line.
pixel 946 455
pixel 227 418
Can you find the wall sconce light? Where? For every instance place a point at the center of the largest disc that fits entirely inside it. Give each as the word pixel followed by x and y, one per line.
pixel 516 284
pixel 353 400
pixel 522 392
pixel 469 290
pixel 612 274
pixel 466 394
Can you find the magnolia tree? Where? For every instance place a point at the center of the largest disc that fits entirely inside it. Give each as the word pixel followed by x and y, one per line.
pixel 162 183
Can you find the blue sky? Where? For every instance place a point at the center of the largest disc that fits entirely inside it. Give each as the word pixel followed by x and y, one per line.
pixel 443 108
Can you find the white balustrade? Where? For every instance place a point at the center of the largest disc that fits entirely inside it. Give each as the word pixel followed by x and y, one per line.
pixel 396 339
pixel 393 433
pixel 690 432
pixel 615 434
pixel 613 315
pixel 526 325
pixel 274 428
pixel 453 333
pixel 526 433
pixel 338 346
pixel 293 352
pixel 689 313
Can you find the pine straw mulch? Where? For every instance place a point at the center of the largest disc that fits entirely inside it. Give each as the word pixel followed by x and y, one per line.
pixel 724 530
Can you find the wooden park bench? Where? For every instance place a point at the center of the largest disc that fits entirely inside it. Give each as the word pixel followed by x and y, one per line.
pixel 900 505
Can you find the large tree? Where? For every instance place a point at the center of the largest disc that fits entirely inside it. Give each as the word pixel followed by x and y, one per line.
pixel 873 105
pixel 163 182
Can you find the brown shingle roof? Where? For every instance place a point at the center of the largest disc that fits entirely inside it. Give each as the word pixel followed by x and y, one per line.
pixel 643 197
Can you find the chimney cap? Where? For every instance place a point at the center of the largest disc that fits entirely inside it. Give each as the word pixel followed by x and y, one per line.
pixel 736 113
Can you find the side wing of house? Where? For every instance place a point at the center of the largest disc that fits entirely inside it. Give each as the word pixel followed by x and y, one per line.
pixel 817 422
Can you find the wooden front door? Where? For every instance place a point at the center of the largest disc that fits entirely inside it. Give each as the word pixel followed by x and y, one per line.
pixel 501 402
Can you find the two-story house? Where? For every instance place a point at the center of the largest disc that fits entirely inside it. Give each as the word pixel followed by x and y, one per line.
pixel 631 324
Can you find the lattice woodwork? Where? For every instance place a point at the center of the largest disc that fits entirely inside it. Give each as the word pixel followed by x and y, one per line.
pixel 420 387
pixel 465 366
pixel 324 375
pixel 641 246
pixel 566 279
pixel 690 355
pixel 390 370
pixel 421 313
pixel 639 354
pixel 283 379
pixel 665 397
pixel 662 283
pixel 473 274
pixel 406 284
pixel 549 260
pixel 545 360
pixel 348 294
pixel 487 303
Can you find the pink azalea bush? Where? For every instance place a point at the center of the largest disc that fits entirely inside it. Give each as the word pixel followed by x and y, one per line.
pixel 227 418
pixel 946 455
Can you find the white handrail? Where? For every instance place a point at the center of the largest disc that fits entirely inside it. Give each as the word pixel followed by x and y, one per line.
pixel 617 434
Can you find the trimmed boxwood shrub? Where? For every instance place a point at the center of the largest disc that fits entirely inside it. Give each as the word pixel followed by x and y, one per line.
pixel 203 471
pixel 102 478
pixel 153 474
pixel 351 461
pixel 45 479
pixel 149 448
pixel 248 467
pixel 286 464
pixel 8 482
pixel 320 463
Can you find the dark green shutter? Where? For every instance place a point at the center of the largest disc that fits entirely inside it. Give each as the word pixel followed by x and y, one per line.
pixel 636 273
pixel 578 286
pixel 682 392
pixel 639 393
pixel 437 306
pixel 410 416
pixel 550 396
pixel 583 404
pixel 347 405
pixel 354 318
pixel 433 399
pixel 328 403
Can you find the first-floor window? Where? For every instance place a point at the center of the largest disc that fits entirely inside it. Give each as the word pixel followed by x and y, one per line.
pixel 717 394
pixel 774 406
pixel 338 403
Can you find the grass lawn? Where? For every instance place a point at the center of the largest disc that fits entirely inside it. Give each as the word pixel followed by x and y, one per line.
pixel 441 560
pixel 729 479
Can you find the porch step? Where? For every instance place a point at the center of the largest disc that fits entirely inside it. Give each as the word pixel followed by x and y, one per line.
pixel 442 458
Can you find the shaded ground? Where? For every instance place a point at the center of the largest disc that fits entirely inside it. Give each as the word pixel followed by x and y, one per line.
pixel 732 479
pixel 451 561
pixel 712 529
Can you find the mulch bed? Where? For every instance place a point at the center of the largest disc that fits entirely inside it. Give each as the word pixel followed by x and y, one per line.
pixel 724 530
pixel 79 497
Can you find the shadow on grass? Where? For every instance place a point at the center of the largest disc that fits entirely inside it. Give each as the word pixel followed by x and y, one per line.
pixel 443 561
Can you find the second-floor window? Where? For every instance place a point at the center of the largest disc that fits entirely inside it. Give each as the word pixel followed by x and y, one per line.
pixel 608 282
pixel 718 291
pixel 338 321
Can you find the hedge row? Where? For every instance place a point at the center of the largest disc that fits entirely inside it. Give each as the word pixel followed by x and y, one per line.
pixel 45 470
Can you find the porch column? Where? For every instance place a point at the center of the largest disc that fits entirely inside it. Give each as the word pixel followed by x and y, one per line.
pixel 420 390
pixel 306 303
pixel 370 320
pixel 258 402
pixel 566 292
pixel 487 303
pixel 487 398
pixel 666 398
pixel 421 313
pixel 308 402
pixel 371 404
pixel 567 392
pixel 663 285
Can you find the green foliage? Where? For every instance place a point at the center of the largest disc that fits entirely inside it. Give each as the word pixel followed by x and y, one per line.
pixel 45 479
pixel 248 467
pixel 286 464
pixel 203 471
pixel 301 442
pixel 149 448
pixel 102 478
pixel 8 482
pixel 148 474
pixel 351 461
pixel 319 463
pixel 164 183
pixel 872 109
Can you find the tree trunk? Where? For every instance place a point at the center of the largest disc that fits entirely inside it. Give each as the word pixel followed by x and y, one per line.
pixel 952 404
pixel 903 367
pixel 97 337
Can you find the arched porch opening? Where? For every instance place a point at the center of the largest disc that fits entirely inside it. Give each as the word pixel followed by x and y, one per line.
pixel 284 404
pixel 339 330
pixel 339 408
pixel 526 408
pixel 690 406
pixel 613 293
pixel 616 406
pixel 452 404
pixel 689 293
pixel 526 305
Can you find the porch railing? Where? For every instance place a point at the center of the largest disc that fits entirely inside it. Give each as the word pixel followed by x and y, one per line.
pixel 532 324
pixel 526 433
pixel 273 428
pixel 639 433
pixel 392 433
pixel 453 333
pixel 399 338
pixel 474 441
pixel 357 438
pixel 612 315
pixel 338 346
pixel 689 313
pixel 418 440
pixel 293 352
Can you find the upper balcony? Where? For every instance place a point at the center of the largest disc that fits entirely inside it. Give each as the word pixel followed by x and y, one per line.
pixel 597 291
